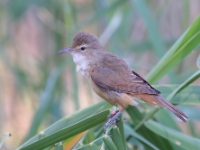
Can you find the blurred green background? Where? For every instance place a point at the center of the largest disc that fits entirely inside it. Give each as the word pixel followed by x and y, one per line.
pixel 33 74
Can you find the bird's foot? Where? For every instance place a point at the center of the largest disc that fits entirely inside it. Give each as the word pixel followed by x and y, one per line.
pixel 112 119
pixel 112 114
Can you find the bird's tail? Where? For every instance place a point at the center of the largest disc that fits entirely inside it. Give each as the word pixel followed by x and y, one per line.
pixel 159 101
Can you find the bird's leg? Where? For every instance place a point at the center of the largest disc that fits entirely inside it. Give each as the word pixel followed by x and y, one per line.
pixel 112 119
pixel 112 114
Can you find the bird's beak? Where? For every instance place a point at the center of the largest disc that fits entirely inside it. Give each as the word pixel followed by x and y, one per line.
pixel 66 50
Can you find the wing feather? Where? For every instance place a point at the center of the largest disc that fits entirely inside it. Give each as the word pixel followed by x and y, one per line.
pixel 114 77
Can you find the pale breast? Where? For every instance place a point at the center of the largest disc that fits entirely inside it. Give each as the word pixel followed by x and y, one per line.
pixel 82 64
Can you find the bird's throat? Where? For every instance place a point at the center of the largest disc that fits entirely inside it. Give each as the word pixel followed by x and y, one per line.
pixel 82 64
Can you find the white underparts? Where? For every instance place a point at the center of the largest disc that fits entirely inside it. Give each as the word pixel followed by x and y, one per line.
pixel 82 63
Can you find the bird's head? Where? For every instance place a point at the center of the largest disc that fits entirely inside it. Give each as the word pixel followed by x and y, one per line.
pixel 83 44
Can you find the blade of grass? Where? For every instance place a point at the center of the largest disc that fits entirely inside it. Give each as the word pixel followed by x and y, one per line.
pixel 89 137
pixel 45 101
pixel 186 43
pixel 130 131
pixel 109 143
pixel 190 92
pixel 70 120
pixel 174 136
pixel 191 79
pixel 136 116
pixel 153 32
pixel 121 131
pixel 68 131
pixel 164 117
pixel 117 139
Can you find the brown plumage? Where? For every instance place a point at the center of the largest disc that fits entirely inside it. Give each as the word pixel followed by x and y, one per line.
pixel 111 78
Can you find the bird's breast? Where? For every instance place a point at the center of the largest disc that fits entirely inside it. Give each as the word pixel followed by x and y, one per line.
pixel 82 64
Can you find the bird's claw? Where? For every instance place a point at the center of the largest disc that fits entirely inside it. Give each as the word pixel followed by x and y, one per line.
pixel 112 114
pixel 112 120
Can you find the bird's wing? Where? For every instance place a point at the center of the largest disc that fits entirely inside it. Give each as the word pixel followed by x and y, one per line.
pixel 118 77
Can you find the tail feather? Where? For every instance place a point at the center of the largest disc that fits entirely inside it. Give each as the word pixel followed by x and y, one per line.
pixel 173 109
pixel 158 100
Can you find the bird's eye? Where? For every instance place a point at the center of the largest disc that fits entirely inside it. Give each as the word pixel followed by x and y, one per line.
pixel 83 48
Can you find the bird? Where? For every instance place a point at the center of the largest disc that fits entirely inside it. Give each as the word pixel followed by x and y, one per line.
pixel 112 79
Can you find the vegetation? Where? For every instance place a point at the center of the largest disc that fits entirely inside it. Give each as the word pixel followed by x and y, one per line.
pixel 139 31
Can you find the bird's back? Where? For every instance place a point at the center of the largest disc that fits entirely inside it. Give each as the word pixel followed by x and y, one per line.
pixel 112 73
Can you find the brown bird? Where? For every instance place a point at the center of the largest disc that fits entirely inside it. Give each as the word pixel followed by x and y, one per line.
pixel 112 79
